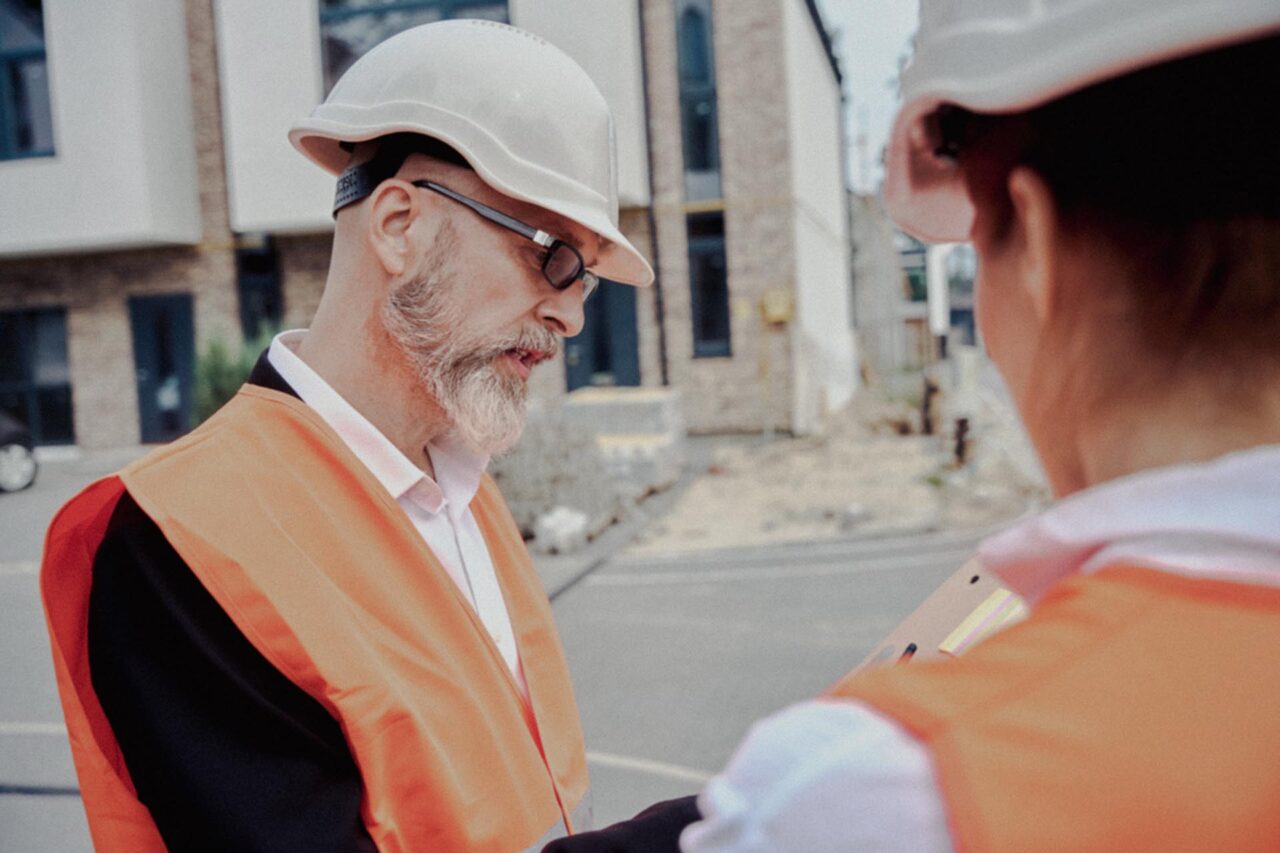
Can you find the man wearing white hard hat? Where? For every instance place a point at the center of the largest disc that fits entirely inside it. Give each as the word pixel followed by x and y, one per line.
pixel 312 623
pixel 1114 164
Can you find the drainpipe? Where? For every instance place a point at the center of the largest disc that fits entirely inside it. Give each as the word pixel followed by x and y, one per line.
pixel 659 307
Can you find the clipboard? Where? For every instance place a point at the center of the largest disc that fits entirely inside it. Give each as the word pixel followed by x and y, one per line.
pixel 965 608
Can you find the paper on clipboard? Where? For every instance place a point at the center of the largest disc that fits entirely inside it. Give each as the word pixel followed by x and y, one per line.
pixel 968 606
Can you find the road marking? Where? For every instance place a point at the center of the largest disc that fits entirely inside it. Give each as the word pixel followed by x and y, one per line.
pixel 39 790
pixel 697 576
pixel 644 765
pixel 26 568
pixel 13 728
pixel 945 540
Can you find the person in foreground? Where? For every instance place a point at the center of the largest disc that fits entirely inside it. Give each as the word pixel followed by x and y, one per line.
pixel 1114 164
pixel 312 623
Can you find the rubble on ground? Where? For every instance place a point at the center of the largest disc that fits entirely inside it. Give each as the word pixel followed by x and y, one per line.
pixel 871 473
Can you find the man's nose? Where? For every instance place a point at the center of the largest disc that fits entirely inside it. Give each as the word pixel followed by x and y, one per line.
pixel 561 310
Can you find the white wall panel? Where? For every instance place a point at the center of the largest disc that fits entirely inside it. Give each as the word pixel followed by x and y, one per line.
pixel 826 362
pixel 124 171
pixel 603 36
pixel 270 69
pixel 269 66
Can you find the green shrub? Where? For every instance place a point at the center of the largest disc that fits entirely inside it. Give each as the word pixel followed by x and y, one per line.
pixel 220 373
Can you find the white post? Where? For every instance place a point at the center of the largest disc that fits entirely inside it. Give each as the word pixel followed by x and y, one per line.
pixel 935 272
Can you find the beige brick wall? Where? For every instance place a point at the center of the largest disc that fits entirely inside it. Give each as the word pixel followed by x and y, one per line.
pixel 750 390
pixel 304 265
pixel 94 289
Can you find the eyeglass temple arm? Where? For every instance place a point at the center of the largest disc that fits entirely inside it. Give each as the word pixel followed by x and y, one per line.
pixel 542 238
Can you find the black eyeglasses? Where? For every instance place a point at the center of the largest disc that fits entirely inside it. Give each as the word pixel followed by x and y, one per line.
pixel 562 264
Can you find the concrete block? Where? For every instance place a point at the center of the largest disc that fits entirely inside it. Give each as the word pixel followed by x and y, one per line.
pixel 643 462
pixel 613 411
pixel 560 531
pixel 556 463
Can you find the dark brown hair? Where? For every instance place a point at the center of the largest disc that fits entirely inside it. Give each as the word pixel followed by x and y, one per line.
pixel 1175 171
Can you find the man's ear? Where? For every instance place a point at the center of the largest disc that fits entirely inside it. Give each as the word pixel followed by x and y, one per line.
pixel 1035 230
pixel 394 207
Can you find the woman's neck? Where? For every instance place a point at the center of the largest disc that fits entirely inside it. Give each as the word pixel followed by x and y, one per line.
pixel 1188 427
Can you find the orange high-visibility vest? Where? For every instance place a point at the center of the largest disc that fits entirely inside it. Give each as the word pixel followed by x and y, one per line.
pixel 1134 710
pixel 327 577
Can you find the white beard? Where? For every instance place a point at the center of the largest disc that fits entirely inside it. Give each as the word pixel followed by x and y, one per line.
pixel 485 406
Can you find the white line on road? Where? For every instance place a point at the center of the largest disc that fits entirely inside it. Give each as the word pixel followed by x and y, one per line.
pixel 644 765
pixel 696 576
pixel 945 540
pixel 14 728
pixel 27 568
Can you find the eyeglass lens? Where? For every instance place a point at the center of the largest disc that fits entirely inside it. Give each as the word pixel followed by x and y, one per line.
pixel 562 265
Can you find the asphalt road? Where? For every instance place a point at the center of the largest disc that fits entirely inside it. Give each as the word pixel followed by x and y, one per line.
pixel 672 658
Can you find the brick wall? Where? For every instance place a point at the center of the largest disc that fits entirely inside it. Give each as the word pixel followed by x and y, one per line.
pixel 304 265
pixel 750 390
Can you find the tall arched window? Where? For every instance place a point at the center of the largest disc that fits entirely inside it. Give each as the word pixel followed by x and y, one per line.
pixel 698 120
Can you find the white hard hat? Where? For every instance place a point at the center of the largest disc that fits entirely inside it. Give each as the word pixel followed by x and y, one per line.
pixel 1011 55
pixel 525 116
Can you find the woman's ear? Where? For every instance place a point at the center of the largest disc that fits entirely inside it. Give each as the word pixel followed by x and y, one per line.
pixel 1036 239
pixel 393 209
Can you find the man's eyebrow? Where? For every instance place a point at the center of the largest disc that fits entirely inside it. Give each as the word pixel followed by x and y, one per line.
pixel 560 229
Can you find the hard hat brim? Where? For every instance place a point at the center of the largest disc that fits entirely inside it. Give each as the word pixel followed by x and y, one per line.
pixel 1046 59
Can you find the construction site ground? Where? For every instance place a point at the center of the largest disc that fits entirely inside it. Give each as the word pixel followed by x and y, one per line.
pixel 862 477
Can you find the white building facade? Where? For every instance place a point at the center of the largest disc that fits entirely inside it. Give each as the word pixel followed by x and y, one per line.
pixel 150 203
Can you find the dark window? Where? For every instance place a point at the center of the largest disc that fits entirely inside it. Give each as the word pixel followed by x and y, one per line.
pixel 709 285
pixel 349 28
pixel 258 283
pixel 917 289
pixel 606 352
pixel 35 377
pixel 695 45
pixel 699 123
pixel 26 119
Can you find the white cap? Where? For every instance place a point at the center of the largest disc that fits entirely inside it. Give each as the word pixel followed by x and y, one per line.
pixel 525 116
pixel 1011 55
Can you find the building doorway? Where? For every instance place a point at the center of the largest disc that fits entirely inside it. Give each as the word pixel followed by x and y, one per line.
pixel 35 376
pixel 164 362
pixel 607 350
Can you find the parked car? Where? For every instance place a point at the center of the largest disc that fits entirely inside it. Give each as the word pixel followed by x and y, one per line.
pixel 17 455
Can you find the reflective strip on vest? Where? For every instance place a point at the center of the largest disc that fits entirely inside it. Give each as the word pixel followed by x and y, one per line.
pixel 396 655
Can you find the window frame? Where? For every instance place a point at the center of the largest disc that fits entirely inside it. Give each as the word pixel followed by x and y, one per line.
pixel 10 60
pixel 27 388
pixel 449 10
pixel 694 91
pixel 709 245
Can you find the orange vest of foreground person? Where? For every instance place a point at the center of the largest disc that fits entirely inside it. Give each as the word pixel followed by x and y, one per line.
pixel 322 571
pixel 1134 710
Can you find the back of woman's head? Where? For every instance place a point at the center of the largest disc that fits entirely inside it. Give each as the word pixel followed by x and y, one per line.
pixel 1173 173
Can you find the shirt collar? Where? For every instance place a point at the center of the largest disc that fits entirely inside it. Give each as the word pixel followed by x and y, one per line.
pixel 1214 519
pixel 458 469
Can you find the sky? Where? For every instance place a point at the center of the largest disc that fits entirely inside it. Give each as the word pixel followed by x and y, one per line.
pixel 870 38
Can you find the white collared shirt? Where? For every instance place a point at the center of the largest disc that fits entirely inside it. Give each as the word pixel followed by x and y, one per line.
pixel 826 776
pixel 440 509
